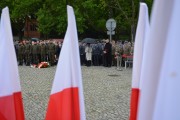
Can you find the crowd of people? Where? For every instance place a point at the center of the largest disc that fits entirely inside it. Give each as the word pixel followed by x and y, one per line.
pixel 101 53
pixel 34 52
pixel 105 53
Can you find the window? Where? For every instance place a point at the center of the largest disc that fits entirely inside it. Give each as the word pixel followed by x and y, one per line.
pixel 33 27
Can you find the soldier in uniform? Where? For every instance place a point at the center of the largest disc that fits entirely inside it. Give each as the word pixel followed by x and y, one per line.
pixel 126 51
pixel 118 53
pixel 27 52
pixel 57 52
pixel 132 49
pixel 43 50
pixel 127 48
pixel 34 51
pixel 20 53
pixel 39 52
pixel 51 52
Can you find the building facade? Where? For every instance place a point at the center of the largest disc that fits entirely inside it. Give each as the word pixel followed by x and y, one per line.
pixel 30 30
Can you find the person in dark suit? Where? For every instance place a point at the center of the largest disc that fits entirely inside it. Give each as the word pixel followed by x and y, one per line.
pixel 82 53
pixel 108 53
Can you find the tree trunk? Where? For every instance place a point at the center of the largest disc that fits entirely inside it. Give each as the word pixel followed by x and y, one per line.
pixel 132 33
pixel 133 22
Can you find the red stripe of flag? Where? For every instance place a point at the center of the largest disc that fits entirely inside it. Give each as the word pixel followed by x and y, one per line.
pixel 134 103
pixel 11 107
pixel 64 105
pixel 18 106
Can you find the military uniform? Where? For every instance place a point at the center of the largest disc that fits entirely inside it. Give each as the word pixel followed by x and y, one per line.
pixel 57 52
pixel 132 50
pixel 34 50
pixel 127 49
pixel 51 52
pixel 39 52
pixel 118 53
pixel 43 50
pixel 27 53
pixel 20 53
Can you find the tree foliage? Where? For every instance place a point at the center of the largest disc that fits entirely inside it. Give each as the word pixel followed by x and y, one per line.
pixel 91 15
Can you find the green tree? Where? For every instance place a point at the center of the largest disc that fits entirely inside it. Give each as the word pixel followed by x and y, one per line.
pixel 91 16
pixel 126 14
pixel 52 17
pixel 20 11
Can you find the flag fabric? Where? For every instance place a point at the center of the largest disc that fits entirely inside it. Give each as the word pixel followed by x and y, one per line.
pixel 66 99
pixel 152 57
pixel 11 106
pixel 167 104
pixel 141 32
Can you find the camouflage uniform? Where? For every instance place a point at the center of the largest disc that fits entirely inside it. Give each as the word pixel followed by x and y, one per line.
pixel 132 49
pixel 43 50
pixel 127 49
pixel 35 49
pixel 39 52
pixel 51 52
pixel 27 53
pixel 20 53
pixel 118 52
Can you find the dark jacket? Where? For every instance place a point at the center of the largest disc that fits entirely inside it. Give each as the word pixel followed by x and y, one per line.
pixel 108 48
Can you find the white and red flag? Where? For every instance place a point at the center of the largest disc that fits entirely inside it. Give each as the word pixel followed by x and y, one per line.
pixel 141 32
pixel 167 103
pixel 153 56
pixel 11 106
pixel 66 99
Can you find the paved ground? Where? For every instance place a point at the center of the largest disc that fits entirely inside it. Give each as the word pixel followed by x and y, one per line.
pixel 106 92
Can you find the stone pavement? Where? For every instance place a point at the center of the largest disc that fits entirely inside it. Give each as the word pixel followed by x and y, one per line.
pixel 106 92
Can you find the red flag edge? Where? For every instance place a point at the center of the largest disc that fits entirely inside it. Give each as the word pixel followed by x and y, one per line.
pixel 134 103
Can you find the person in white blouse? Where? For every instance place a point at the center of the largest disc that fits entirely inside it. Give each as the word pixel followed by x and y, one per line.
pixel 88 51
